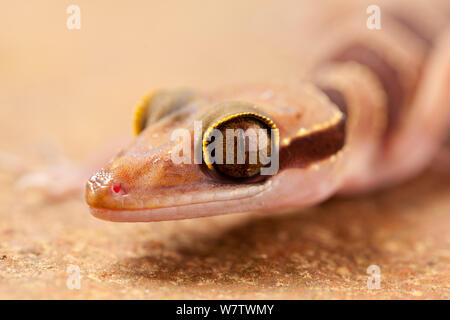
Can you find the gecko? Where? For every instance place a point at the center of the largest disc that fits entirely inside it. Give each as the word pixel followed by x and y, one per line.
pixel 373 112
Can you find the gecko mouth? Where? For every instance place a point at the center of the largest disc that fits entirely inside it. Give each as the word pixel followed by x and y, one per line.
pixel 176 212
pixel 139 206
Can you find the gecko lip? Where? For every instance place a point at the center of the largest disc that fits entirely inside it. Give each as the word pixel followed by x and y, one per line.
pixel 102 200
pixel 171 213
pixel 181 210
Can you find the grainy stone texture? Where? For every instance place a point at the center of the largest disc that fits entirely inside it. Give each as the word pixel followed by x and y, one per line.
pixel 321 252
pixel 73 89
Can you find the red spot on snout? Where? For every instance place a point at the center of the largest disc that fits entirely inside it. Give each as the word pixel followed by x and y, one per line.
pixel 116 188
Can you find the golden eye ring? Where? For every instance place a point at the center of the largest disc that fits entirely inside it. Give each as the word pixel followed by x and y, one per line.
pixel 237 115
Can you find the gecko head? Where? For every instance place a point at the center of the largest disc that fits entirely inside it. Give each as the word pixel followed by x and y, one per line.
pixel 182 165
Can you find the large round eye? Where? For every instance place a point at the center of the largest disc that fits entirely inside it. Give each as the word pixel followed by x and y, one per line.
pixel 238 141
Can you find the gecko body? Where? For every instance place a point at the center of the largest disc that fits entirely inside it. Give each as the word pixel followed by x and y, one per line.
pixel 373 113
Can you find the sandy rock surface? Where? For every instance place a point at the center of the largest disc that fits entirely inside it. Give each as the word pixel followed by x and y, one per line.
pixel 69 92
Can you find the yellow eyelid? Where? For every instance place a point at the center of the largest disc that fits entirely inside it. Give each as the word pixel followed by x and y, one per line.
pixel 158 104
pixel 140 112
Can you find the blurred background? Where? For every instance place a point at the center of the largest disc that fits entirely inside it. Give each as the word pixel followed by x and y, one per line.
pixel 77 88
pixel 71 91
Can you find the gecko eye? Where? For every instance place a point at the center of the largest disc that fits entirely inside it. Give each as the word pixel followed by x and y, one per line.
pixel 237 142
pixel 158 104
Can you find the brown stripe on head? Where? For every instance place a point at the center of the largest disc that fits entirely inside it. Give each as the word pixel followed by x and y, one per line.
pixel 387 75
pixel 317 145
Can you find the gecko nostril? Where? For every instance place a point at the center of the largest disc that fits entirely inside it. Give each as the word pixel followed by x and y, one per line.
pixel 117 189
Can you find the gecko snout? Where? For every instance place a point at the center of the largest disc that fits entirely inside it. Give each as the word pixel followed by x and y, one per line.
pixel 103 191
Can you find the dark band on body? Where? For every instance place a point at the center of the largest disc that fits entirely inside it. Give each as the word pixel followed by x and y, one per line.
pixel 318 145
pixel 387 75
